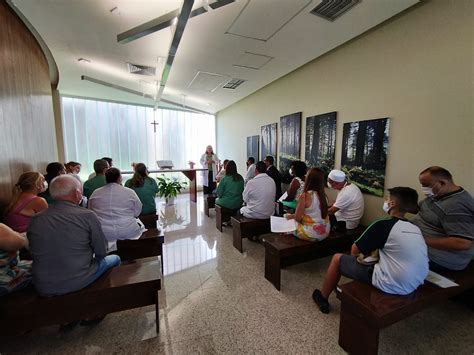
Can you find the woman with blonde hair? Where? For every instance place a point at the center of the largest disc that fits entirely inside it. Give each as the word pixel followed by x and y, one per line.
pixel 25 202
pixel 311 216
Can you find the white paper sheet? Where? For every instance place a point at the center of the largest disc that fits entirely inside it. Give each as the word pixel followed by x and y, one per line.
pixel 285 195
pixel 439 280
pixel 282 225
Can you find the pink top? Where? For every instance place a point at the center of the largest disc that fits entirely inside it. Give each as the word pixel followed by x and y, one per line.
pixel 17 221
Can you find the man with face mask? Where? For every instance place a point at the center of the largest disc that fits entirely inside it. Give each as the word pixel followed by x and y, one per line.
pixel 403 259
pixel 446 219
pixel 347 210
pixel 67 243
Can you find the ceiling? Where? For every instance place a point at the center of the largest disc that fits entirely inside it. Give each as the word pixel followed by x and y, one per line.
pixel 254 40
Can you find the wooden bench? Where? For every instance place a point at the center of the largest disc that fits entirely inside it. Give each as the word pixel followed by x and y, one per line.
pixel 366 310
pixel 283 250
pixel 149 220
pixel 223 215
pixel 209 202
pixel 131 285
pixel 148 245
pixel 243 227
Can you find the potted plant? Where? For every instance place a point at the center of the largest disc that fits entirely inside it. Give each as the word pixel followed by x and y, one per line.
pixel 169 188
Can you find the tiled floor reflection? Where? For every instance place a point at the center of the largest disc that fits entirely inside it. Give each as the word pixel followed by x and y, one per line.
pixel 216 300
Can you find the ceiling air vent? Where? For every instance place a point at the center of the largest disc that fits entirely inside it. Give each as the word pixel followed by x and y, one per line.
pixel 233 83
pixel 332 9
pixel 141 69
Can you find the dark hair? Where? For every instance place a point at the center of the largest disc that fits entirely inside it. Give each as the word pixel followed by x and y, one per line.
pixel 53 170
pixel 112 175
pixel 225 161
pixel 315 182
pixel 299 168
pixel 100 165
pixel 108 160
pixel 141 173
pixel 261 167
pixel 231 170
pixel 70 165
pixel 270 159
pixel 251 160
pixel 438 172
pixel 406 197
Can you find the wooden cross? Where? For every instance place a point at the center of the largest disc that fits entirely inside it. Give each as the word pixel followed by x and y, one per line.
pixel 154 123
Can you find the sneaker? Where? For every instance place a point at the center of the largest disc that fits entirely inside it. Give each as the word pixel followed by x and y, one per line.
pixel 321 301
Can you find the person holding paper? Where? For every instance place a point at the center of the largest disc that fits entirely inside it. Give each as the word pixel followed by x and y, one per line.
pixel 209 161
pixel 311 212
pixel 403 255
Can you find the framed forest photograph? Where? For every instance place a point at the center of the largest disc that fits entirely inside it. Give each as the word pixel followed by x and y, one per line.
pixel 320 147
pixel 269 140
pixel 252 147
pixel 364 154
pixel 290 143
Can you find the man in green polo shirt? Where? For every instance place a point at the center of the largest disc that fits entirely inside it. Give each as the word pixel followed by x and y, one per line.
pixel 100 166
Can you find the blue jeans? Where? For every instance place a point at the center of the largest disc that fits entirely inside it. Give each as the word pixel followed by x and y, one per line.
pixel 105 264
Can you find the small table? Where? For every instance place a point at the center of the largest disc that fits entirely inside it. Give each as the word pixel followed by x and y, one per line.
pixel 189 173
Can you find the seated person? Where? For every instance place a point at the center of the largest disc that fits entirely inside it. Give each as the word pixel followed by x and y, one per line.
pixel 52 170
pixel 230 189
pixel 259 195
pixel 250 174
pixel 446 219
pixel 145 187
pixel 273 172
pixel 25 202
pixel 348 209
pixel 14 274
pixel 98 180
pixel 67 243
pixel 221 172
pixel 73 168
pixel 312 210
pixel 117 208
pixel 403 263
pixel 298 171
pixel 109 162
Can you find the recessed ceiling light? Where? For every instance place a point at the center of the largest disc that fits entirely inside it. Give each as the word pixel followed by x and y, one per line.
pixel 84 60
pixel 114 10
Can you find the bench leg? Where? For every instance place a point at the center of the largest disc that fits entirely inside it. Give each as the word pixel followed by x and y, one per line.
pixel 355 335
pixel 273 267
pixel 206 207
pixel 219 219
pixel 157 313
pixel 237 237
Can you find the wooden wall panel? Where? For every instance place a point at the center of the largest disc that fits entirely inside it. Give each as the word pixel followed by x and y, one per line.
pixel 28 138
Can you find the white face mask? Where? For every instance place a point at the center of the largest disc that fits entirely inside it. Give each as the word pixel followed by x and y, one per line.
pixel 386 207
pixel 329 185
pixel 291 171
pixel 45 186
pixel 428 191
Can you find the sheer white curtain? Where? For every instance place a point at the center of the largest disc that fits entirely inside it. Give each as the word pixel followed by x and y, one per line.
pixel 95 129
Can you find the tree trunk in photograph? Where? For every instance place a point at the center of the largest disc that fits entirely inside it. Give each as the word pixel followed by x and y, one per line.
pixel 361 135
pixel 315 147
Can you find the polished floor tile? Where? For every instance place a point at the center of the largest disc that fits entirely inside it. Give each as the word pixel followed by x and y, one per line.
pixel 215 300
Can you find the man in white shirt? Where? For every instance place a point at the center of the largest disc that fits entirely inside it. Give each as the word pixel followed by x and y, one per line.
pixel 348 209
pixel 250 170
pixel 259 195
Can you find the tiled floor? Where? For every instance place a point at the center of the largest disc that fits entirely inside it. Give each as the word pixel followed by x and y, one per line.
pixel 216 300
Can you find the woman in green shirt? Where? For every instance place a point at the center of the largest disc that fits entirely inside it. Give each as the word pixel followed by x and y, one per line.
pixel 145 187
pixel 230 188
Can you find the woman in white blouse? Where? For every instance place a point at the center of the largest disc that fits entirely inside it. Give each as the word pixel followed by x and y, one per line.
pixel 209 161
pixel 117 208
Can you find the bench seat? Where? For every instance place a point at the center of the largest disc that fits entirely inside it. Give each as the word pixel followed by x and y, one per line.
pixel 367 309
pixel 243 227
pixel 148 245
pixel 131 285
pixel 283 250
pixel 223 215
pixel 209 202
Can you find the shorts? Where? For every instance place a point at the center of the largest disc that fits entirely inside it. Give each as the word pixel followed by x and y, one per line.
pixel 349 267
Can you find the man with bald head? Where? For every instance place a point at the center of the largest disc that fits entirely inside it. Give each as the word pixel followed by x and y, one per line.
pixel 67 243
pixel 446 219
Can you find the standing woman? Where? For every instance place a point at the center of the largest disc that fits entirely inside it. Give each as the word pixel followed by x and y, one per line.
pixel 25 202
pixel 312 210
pixel 145 187
pixel 209 161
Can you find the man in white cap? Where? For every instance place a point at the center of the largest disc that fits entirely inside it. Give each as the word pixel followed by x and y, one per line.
pixel 348 209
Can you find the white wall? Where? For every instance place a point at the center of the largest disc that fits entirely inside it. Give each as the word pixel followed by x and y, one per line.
pixel 416 69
